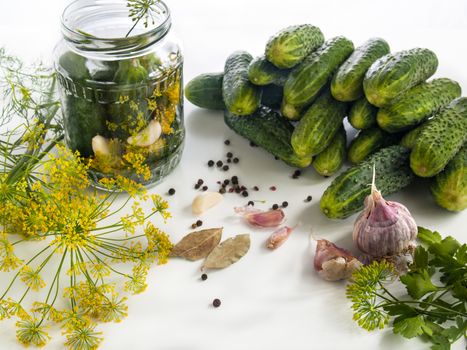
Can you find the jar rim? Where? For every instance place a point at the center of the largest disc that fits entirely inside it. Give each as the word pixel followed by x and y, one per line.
pixel 85 41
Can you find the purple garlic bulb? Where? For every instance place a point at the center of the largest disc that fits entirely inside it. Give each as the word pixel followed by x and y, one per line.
pixel 384 228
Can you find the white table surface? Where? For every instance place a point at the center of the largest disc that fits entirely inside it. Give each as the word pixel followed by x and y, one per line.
pixel 270 300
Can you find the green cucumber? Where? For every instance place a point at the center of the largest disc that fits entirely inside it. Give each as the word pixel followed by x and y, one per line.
pixel 291 112
pixel 440 139
pixel 347 83
pixel 73 66
pixel 395 73
pixel 409 139
pixel 346 194
pixel 267 129
pixel 367 142
pixel 319 124
pixel 449 188
pixel 291 45
pixel 241 97
pixel 205 91
pixel 262 72
pixel 306 80
pixel 362 114
pixel 417 104
pixel 330 161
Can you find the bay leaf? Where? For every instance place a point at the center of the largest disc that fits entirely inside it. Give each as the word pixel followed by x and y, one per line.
pixel 228 252
pixel 197 245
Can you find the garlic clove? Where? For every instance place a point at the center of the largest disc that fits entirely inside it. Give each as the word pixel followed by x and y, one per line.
pixel 259 218
pixel 148 136
pixel 334 263
pixel 278 237
pixel 101 146
pixel 205 201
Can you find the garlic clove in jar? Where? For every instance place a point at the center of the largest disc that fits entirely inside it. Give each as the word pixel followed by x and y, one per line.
pixel 384 228
pixel 148 136
pixel 101 146
pixel 334 263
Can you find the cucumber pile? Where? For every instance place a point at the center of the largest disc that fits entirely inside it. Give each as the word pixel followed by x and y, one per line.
pixel 293 99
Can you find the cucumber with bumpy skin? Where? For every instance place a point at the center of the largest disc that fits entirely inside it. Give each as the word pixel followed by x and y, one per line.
pixel 347 83
pixel 449 188
pixel 417 104
pixel 241 97
pixel 292 44
pixel 409 139
pixel 319 124
pixel 330 161
pixel 346 194
pixel 262 72
pixel 306 80
pixel 362 114
pixel 395 73
pixel 205 91
pixel 440 139
pixel 369 141
pixel 267 129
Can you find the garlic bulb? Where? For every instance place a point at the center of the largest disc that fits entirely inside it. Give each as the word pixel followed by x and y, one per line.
pixel 384 228
pixel 334 263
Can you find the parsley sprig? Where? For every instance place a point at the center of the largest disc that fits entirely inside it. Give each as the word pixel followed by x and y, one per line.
pixel 141 10
pixel 436 283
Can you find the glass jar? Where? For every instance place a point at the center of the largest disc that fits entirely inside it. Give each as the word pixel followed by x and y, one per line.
pixel 121 87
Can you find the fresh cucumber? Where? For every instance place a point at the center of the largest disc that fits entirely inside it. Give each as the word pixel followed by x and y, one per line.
pixel 362 114
pixel 347 83
pixel 262 72
pixel 346 194
pixel 369 141
pixel 330 161
pixel 205 91
pixel 241 97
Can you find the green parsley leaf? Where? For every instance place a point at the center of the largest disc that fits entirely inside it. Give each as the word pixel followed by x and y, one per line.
pixel 420 259
pixel 409 327
pixel 418 283
pixel 428 237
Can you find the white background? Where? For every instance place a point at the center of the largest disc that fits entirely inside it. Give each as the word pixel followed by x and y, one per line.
pixel 270 300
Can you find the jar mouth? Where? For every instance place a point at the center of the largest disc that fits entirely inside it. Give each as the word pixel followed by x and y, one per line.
pixel 106 27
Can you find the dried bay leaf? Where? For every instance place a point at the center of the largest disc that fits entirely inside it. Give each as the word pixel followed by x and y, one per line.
pixel 197 245
pixel 228 252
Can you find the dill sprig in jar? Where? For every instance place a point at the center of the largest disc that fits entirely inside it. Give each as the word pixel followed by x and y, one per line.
pixel 121 84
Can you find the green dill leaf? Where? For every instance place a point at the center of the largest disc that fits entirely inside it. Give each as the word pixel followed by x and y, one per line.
pixel 409 327
pixel 418 283
pixel 428 237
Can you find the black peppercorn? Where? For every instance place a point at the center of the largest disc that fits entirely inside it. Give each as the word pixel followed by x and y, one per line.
pixel 226 182
pixel 219 163
pixel 308 199
pixel 205 188
pixel 245 193
pixel 199 223
pixel 227 142
pixel 200 182
pixel 216 303
pixel 193 226
pixel 172 191
pixel 236 160
pixel 211 163
pixel 197 187
pixel 229 155
pixel 251 203
pixel 229 160
pixel 235 180
pixel 222 190
pixel 204 277
pixel 275 206
pixel 285 204
pixel 225 168
pixel 256 188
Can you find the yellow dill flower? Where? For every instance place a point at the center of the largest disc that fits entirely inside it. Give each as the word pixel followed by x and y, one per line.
pixel 83 337
pixel 136 160
pixel 114 309
pixel 98 269
pixel 167 118
pixel 30 332
pixel 15 309
pixel 10 262
pixel 31 278
pixel 137 282
pixel 4 310
pixel 159 242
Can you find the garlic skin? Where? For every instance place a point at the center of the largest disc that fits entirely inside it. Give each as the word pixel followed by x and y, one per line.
pixel 259 218
pixel 384 228
pixel 278 237
pixel 334 263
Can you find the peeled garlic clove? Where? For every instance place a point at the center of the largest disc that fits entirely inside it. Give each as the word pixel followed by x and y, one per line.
pixel 384 228
pixel 334 263
pixel 278 237
pixel 259 218
pixel 101 146
pixel 205 201
pixel 147 136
